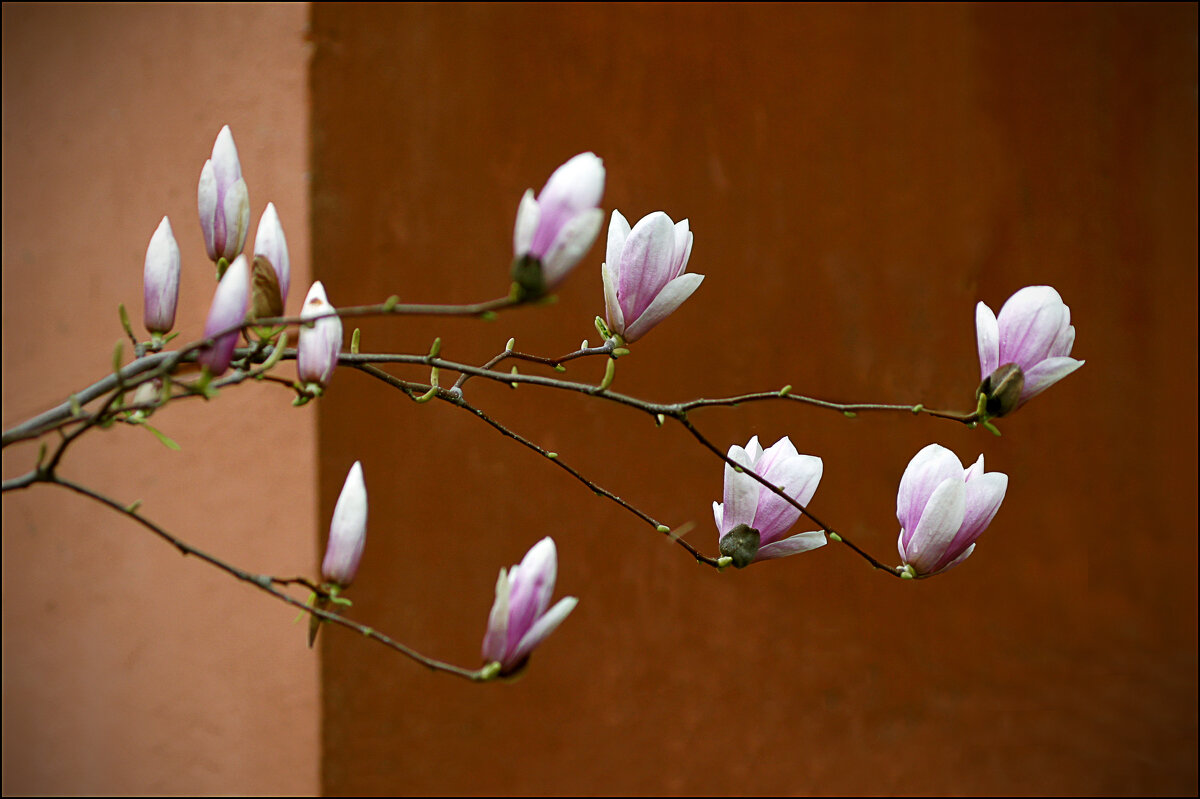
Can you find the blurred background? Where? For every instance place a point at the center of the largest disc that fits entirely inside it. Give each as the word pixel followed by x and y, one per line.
pixel 856 178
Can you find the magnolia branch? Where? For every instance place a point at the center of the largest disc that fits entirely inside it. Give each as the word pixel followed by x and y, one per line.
pixel 153 366
pixel 1022 351
pixel 417 390
pixel 262 582
pixel 157 365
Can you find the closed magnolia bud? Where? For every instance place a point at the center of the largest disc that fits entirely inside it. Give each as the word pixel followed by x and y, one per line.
pixel 160 286
pixel 347 531
pixel 317 353
pixel 227 313
pixel 270 243
pixel 224 200
pixel 557 228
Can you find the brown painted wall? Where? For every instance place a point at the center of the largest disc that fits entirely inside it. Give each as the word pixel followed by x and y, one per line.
pixel 857 178
pixel 128 669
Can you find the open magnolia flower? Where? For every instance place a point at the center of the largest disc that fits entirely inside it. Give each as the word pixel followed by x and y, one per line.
pixel 317 353
pixel 942 508
pixel 753 519
pixel 555 230
pixel 1033 333
pixel 161 279
pixel 521 616
pixel 644 272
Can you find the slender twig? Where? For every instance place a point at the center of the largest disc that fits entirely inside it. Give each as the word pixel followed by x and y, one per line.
pixel 366 363
pixel 841 407
pixel 165 362
pixel 652 408
pixel 43 422
pixel 454 398
pixel 484 310
pixel 147 368
pixel 556 363
pixel 263 582
pixel 150 366
pixel 69 438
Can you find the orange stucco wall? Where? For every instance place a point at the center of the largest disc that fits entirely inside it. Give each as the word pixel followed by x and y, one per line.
pixel 128 669
pixel 857 178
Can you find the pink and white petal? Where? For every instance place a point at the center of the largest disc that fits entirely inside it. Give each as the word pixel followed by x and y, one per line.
pixel 612 308
pixel 802 542
pixel 618 231
pixel 670 298
pixel 545 625
pixel 1029 323
pixel 966 554
pixel 577 184
pixel 800 474
pixel 754 451
pixel 741 490
pixel 1046 374
pixel 928 469
pixel 227 167
pixel 528 216
pixel 646 262
pixel 572 243
pixel 541 562
pixel 230 300
pixel 974 470
pixel 206 198
pixel 495 641
pixel 1027 303
pixel 718 514
pixel 1063 343
pixel 225 224
pixel 799 477
pixel 532 584
pixel 1030 344
pixel 987 334
pixel 741 499
pixel 780 451
pixel 683 248
pixel 941 521
pixel 775 516
pixel 237 218
pixel 983 498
